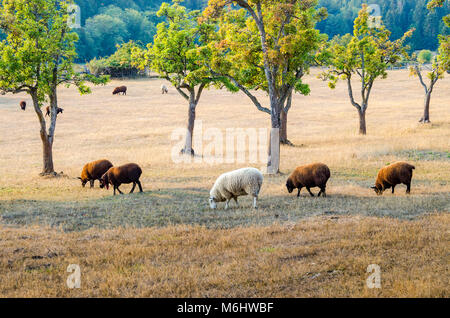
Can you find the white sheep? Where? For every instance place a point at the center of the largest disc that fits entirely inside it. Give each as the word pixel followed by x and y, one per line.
pixel 235 183
pixel 164 89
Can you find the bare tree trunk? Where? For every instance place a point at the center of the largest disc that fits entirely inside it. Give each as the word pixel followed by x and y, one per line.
pixel 47 155
pixel 190 127
pixel 273 162
pixel 362 122
pixel 426 111
pixel 284 119
pixel 47 141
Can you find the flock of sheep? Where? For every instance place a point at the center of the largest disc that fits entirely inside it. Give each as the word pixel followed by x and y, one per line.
pixel 245 181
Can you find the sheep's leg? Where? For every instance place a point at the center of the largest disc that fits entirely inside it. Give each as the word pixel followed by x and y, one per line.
pixel 408 188
pixel 119 190
pixel 309 190
pixel 134 186
pixel 92 183
pixel 322 191
pixel 235 200
pixel 226 204
pixel 114 190
pixel 298 193
pixel 140 185
pixel 393 187
pixel 255 199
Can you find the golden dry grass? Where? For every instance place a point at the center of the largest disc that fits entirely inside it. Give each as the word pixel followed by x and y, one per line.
pixel 137 128
pixel 180 260
pixel 324 257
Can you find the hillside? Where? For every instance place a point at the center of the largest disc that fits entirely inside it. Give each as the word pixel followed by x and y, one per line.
pixel 108 23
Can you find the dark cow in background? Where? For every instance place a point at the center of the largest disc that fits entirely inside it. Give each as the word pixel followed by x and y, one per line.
pixel 58 110
pixel 120 89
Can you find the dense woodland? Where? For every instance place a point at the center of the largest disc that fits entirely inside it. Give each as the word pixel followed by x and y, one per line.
pixel 110 22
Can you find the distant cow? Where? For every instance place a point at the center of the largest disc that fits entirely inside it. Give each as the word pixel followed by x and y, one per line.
pixel 164 89
pixel 120 89
pixel 58 110
pixel 23 105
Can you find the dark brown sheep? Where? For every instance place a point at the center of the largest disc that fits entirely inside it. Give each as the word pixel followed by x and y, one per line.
pixel 23 105
pixel 128 173
pixel 120 89
pixel 58 110
pixel 309 176
pixel 94 171
pixel 390 176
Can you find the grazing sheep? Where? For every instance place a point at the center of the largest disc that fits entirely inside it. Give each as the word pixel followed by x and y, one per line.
pixel 120 89
pixel 128 173
pixel 309 176
pixel 23 105
pixel 58 110
pixel 390 176
pixel 164 89
pixel 94 171
pixel 235 183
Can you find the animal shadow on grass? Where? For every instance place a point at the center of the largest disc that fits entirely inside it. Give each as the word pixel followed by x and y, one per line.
pixel 170 206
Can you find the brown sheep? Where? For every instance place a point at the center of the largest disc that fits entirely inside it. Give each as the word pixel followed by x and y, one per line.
pixel 390 176
pixel 309 176
pixel 58 110
pixel 94 171
pixel 120 89
pixel 23 105
pixel 128 173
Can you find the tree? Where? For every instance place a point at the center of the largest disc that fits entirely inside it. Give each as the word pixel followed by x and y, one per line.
pixel 425 56
pixel 265 45
pixel 119 64
pixel 111 27
pixel 175 57
pixel 440 65
pixel 36 57
pixel 366 54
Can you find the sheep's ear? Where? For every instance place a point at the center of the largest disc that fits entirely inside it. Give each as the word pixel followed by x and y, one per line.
pixel 373 187
pixel 79 178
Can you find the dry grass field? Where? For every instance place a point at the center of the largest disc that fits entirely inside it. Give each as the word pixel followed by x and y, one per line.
pixel 167 242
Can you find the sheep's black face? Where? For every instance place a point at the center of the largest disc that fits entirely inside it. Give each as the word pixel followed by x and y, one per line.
pixel 104 182
pixel 83 182
pixel 289 186
pixel 377 191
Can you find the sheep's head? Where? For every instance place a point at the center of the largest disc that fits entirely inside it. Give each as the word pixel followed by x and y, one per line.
pixel 378 190
pixel 212 203
pixel 104 181
pixel 83 182
pixel 290 185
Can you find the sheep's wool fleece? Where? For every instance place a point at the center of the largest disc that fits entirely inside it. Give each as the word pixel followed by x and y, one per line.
pixel 236 183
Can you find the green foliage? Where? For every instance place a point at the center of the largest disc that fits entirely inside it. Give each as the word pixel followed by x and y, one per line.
pixel 292 43
pixel 367 54
pixel 39 49
pixel 425 56
pixel 118 64
pixel 398 16
pixel 441 63
pixel 113 26
pixel 103 27
pixel 174 53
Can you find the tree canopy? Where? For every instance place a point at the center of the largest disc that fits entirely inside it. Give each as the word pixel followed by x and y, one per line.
pixel 365 54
